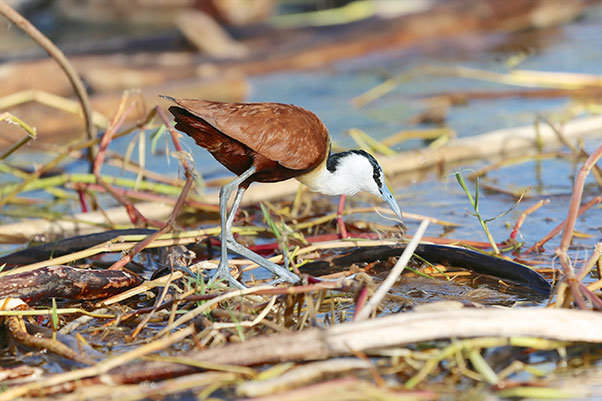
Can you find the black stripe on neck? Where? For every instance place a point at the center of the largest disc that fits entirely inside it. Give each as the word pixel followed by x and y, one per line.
pixel 334 159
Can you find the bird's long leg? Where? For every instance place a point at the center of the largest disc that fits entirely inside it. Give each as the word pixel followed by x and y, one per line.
pixel 228 241
pixel 340 222
pixel 282 273
pixel 223 270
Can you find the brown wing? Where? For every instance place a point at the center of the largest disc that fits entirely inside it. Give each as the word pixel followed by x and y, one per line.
pixel 232 154
pixel 288 134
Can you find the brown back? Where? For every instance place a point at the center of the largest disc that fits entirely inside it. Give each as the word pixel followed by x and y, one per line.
pixel 287 134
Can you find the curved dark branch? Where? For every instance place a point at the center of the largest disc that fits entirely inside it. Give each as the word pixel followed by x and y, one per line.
pixel 56 53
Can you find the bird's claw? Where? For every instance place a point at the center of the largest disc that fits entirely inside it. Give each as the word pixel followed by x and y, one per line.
pixel 223 273
pixel 282 280
pixel 286 276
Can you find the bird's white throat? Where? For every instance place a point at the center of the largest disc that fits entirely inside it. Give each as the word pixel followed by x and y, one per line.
pixel 351 173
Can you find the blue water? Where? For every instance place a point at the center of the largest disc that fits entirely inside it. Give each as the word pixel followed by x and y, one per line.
pixel 328 93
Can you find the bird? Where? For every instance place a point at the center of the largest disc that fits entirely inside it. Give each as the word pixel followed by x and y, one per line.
pixel 272 142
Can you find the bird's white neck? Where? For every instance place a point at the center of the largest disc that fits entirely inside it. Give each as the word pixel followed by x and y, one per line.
pixel 345 173
pixel 326 182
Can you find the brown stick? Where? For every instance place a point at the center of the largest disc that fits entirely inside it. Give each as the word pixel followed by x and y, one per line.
pixel 524 214
pixel 136 217
pixel 562 250
pixel 177 207
pixel 56 53
pixel 539 244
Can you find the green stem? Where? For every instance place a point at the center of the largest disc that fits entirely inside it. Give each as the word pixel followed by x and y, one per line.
pixel 475 205
pixel 31 133
pixel 59 180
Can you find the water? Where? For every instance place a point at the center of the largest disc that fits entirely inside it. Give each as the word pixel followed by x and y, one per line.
pixel 574 48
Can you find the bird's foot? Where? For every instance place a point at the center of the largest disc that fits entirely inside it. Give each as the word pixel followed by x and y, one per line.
pixel 284 275
pixel 223 273
pixel 281 280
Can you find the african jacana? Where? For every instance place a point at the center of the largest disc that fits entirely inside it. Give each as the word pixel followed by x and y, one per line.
pixel 270 142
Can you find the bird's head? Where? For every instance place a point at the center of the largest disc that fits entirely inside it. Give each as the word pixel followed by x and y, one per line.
pixel 355 171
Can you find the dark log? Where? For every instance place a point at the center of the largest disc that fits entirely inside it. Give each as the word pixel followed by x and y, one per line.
pixel 65 246
pixel 444 254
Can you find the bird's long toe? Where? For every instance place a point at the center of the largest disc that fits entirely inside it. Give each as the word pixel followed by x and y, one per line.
pixel 223 273
pixel 287 276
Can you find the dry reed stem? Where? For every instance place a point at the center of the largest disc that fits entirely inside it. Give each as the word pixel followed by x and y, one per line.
pixel 591 262
pixel 300 375
pixel 396 271
pixel 412 327
pixel 115 159
pixel 30 133
pixel 48 166
pixel 142 324
pixel 206 306
pixel 433 133
pixel 510 161
pixel 170 224
pixel 58 311
pixel 516 77
pixel 136 217
pixel 117 245
pixel 51 100
pixel 249 323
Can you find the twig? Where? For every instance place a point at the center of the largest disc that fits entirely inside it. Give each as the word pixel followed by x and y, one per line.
pixel 31 133
pixel 158 303
pixel 168 226
pixel 54 52
pixel 393 275
pixel 562 250
pixel 248 323
pixel 539 244
pixel 524 215
pixel 591 262
pixel 188 316
pixel 16 326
